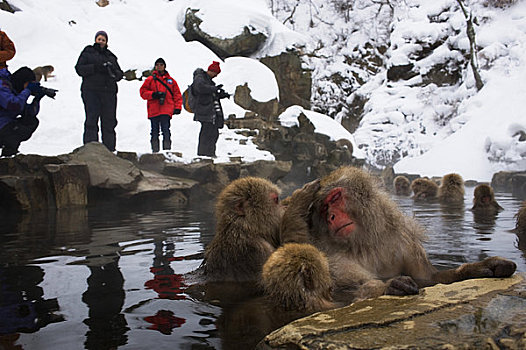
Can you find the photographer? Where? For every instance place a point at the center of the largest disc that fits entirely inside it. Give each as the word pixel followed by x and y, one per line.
pixel 18 119
pixel 208 110
pixel 100 73
pixel 164 99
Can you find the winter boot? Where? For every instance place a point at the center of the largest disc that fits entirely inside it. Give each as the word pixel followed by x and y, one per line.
pixel 167 144
pixel 155 145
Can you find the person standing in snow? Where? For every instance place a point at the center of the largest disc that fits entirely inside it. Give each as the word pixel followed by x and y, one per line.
pixel 18 119
pixel 164 99
pixel 207 108
pixel 7 49
pixel 100 73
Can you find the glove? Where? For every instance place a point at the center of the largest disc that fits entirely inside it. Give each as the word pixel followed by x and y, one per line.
pixel 158 94
pixel 219 87
pixel 34 87
pixel 177 111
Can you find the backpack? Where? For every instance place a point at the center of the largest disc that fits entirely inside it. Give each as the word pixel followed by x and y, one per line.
pixel 188 99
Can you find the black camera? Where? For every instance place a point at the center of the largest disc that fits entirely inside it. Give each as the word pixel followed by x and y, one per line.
pixel 44 91
pixel 222 94
pixel 49 92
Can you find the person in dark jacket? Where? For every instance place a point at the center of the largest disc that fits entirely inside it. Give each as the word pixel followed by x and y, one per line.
pixel 7 49
pixel 207 108
pixel 164 99
pixel 100 73
pixel 18 119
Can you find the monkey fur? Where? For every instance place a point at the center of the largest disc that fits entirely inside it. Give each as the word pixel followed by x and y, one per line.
pixel 298 267
pixel 484 200
pixel 424 189
pixel 43 71
pixel 248 216
pixel 371 246
pixel 451 189
pixel 402 186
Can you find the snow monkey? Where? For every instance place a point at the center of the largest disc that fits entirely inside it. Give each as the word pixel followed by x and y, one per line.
pixel 484 200
pixel 424 189
pixel 372 248
pixel 451 189
pixel 402 186
pixel 248 215
pixel 44 71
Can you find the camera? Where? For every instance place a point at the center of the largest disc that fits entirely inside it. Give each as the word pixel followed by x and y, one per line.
pixel 49 92
pixel 44 91
pixel 222 94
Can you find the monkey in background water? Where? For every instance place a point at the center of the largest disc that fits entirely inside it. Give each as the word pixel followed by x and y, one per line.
pixel 43 71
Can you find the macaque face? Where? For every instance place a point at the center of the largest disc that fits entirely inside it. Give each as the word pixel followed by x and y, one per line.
pixel 334 210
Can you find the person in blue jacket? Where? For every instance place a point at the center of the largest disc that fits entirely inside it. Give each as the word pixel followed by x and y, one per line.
pixel 18 119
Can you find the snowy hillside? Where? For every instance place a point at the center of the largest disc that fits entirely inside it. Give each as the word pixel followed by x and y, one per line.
pixel 426 129
pixel 423 128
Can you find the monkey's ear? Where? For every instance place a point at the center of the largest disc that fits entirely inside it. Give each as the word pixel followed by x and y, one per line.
pixel 239 208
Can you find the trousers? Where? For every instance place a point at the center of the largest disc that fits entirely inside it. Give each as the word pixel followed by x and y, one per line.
pixel 100 106
pixel 207 139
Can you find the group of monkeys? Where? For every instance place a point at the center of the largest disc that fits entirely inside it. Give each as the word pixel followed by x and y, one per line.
pixel 450 191
pixel 337 239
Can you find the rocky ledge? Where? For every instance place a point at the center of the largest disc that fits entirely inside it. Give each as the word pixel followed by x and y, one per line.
pixel 473 314
pixel 92 173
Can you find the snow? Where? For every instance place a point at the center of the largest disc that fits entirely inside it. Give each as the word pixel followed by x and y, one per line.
pixel 433 129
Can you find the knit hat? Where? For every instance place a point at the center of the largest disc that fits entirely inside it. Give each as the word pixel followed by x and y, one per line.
pixel 160 60
pixel 20 77
pixel 214 67
pixel 103 33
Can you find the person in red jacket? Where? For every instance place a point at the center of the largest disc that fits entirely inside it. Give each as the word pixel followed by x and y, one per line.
pixel 164 99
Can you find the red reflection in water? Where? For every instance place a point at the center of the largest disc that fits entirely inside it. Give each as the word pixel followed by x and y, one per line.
pixel 164 321
pixel 167 284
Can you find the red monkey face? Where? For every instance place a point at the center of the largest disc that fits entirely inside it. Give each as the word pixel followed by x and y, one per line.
pixel 339 223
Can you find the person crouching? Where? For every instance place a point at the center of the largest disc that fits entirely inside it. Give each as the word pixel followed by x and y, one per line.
pixel 164 99
pixel 18 119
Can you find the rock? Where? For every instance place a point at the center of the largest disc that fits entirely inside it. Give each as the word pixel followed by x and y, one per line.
pixel 244 44
pixel 294 81
pixel 157 185
pixel 266 110
pixel 5 6
pixel 270 170
pixel 401 72
pixel 69 183
pixel 27 192
pixel 472 314
pixel 106 170
pixel 510 181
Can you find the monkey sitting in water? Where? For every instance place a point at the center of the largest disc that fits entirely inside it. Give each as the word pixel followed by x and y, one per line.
pixel 43 71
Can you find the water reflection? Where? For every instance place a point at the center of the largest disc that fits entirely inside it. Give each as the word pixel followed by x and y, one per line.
pixel 113 276
pixel 22 305
pixel 105 298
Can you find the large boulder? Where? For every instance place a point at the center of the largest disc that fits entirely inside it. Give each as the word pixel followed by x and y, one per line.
pixel 244 44
pixel 106 170
pixel 294 81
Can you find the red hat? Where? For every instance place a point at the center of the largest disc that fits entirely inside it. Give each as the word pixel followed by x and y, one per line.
pixel 214 67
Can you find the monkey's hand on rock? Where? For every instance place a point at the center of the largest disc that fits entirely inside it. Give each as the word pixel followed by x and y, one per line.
pixel 401 285
pixel 489 267
pixel 294 224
